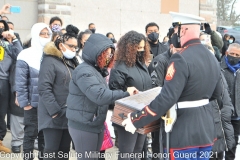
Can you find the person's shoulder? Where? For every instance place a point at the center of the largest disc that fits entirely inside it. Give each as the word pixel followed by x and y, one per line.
pixel 121 66
pixel 24 54
pixel 84 69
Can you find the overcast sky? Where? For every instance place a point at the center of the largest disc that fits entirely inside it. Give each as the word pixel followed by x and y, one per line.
pixel 237 6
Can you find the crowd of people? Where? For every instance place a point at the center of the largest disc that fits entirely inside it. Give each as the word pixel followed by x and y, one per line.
pixel 57 88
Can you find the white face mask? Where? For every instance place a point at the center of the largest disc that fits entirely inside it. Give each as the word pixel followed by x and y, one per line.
pixel 44 41
pixel 68 53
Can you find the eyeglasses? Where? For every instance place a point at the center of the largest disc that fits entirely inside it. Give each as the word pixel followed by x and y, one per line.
pixel 45 33
pixel 72 46
pixel 110 55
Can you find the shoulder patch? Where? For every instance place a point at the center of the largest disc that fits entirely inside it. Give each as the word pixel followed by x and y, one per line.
pixel 170 72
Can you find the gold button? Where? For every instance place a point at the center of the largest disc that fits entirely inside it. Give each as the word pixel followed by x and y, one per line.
pixel 143 112
pixel 136 115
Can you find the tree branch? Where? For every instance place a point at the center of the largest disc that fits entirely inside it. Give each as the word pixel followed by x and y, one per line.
pixel 232 9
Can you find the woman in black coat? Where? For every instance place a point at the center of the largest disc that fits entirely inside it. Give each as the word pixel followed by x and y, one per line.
pixel 89 96
pixel 130 70
pixel 53 86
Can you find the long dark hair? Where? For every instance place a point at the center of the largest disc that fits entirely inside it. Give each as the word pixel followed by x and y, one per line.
pixel 127 48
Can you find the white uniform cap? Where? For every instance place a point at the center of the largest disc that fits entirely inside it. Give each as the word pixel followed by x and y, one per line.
pixel 184 18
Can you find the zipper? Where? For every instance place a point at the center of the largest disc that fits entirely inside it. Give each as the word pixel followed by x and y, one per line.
pixel 221 118
pixel 236 89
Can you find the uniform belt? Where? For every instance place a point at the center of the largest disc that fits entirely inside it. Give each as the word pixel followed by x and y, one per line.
pixel 192 104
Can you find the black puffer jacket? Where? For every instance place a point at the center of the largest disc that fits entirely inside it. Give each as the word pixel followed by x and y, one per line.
pixel 222 112
pixel 89 95
pixel 53 87
pixel 123 76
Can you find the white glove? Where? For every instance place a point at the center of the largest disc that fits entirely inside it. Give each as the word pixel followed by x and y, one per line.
pixel 129 125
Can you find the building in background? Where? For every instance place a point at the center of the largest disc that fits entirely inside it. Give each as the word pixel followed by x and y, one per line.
pixel 116 16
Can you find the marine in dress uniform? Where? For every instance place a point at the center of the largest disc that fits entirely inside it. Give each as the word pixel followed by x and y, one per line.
pixel 192 80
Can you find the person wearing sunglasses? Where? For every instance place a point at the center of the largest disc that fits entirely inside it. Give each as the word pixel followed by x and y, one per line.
pixel 27 71
pixel 53 86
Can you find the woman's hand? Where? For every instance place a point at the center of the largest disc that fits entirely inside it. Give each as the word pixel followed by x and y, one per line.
pixel 132 90
pixel 27 108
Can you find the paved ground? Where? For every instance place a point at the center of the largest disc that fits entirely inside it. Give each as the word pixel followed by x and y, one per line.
pixel 111 153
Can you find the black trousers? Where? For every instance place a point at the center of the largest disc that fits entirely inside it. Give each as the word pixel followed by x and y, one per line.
pixel 31 133
pixel 57 142
pixel 230 155
pixel 129 143
pixel 4 105
pixel 86 143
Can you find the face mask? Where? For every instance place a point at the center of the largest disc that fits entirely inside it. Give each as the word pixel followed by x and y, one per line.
pixel 175 42
pixel 233 60
pixel 11 32
pixel 140 55
pixel 104 72
pixel 56 28
pixel 44 41
pixel 153 37
pixel 230 41
pixel 203 42
pixel 68 53
pixel 93 30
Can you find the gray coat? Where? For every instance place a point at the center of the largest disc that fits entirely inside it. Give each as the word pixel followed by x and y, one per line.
pixel 53 87
pixel 89 95
pixel 11 51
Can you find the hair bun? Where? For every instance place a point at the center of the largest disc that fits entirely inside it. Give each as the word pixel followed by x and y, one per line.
pixel 72 30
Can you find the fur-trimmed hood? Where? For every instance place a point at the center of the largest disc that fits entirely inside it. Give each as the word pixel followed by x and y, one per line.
pixel 51 49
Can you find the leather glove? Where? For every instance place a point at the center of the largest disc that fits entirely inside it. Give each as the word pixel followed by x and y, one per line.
pixel 129 125
pixel 208 29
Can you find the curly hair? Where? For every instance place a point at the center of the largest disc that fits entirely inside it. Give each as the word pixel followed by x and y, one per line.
pixel 102 59
pixel 127 48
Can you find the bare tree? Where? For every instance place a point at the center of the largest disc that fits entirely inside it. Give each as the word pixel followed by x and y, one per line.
pixel 226 13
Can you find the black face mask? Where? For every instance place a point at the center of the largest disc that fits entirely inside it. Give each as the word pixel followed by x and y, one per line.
pixel 233 60
pixel 104 72
pixel 93 30
pixel 140 55
pixel 113 40
pixel 153 37
pixel 174 41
